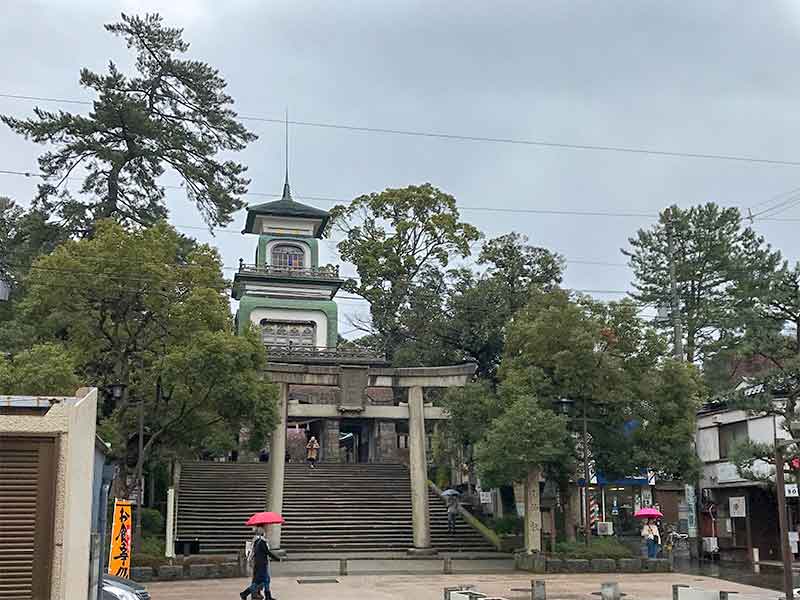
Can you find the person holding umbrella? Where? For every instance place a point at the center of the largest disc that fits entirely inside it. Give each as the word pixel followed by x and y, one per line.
pixel 451 498
pixel 650 532
pixel 261 555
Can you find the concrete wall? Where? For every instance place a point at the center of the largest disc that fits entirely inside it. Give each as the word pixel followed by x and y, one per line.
pixel 73 421
pixel 79 467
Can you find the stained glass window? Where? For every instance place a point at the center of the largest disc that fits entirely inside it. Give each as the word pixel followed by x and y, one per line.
pixel 287 255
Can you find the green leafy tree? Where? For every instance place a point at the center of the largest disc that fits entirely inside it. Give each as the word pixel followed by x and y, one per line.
pixel 521 445
pixel 709 250
pixel 149 309
pixel 463 315
pixel 173 113
pixel 392 238
pixel 46 369
pixel 470 410
pixel 670 396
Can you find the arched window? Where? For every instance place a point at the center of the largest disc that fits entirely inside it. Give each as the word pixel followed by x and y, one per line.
pixel 284 333
pixel 288 255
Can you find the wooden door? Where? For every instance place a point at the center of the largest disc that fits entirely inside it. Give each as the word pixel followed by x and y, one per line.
pixel 27 504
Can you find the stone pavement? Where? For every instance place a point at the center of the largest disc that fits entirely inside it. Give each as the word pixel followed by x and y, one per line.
pixel 429 587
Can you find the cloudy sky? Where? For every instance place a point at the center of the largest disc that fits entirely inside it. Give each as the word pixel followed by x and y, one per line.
pixel 712 77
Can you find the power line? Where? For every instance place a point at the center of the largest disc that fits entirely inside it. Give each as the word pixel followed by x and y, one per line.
pixel 473 138
pixel 330 200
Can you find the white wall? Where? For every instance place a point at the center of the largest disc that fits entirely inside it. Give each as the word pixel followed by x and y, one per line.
pixel 708 444
pixel 79 459
pixel 283 314
pixel 286 225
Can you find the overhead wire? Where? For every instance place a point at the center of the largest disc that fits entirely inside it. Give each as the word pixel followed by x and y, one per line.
pixel 467 137
pixel 494 209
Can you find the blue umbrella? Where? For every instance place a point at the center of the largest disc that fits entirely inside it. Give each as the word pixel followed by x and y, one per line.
pixel 450 492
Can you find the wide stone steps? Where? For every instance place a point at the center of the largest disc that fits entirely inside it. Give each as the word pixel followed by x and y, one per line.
pixel 333 508
pixel 361 508
pixel 215 500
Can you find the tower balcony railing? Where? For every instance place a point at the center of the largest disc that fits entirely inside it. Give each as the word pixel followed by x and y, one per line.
pixel 319 354
pixel 323 272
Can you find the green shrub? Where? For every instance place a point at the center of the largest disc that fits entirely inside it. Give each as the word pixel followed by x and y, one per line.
pixel 598 548
pixel 152 522
pixel 510 524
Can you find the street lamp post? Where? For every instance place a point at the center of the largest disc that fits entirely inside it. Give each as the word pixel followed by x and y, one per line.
pixel 565 404
pixel 786 553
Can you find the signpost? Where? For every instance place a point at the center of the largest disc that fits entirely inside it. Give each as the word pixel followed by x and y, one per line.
pixel 119 558
pixel 791 490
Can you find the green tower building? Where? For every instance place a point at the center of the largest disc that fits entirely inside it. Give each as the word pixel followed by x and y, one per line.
pixel 286 295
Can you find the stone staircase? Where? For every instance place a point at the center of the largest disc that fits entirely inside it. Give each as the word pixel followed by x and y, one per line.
pixel 333 508
pixel 214 501
pixel 361 508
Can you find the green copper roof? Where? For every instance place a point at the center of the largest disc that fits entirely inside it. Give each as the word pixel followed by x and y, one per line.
pixel 285 207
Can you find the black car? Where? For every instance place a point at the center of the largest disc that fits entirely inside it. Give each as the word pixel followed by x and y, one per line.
pixel 116 588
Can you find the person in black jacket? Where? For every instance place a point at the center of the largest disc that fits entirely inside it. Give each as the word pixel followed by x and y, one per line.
pixel 261 555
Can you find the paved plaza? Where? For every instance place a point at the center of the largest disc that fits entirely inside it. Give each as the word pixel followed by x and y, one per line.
pixel 429 587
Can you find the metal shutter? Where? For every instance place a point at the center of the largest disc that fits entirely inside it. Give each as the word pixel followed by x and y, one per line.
pixel 27 478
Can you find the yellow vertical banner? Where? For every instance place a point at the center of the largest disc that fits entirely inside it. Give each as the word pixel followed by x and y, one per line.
pixel 119 557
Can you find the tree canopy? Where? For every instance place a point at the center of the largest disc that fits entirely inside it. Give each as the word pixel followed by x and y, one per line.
pixel 710 249
pixel 148 309
pixel 393 238
pixel 173 113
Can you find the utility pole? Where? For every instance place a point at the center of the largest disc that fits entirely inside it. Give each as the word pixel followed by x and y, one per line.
pixel 786 553
pixel 587 503
pixel 677 327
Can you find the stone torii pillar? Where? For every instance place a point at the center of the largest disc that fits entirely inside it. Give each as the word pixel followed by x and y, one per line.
pixel 277 465
pixel 415 379
pixel 418 467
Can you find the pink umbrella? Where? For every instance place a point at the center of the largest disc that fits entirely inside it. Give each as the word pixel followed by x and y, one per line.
pixel 264 518
pixel 648 513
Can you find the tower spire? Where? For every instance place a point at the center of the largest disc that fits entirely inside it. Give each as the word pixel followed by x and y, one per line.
pixel 286 191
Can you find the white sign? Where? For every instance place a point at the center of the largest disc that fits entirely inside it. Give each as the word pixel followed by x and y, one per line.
pixel 794 538
pixel 791 490
pixel 486 497
pixel 738 507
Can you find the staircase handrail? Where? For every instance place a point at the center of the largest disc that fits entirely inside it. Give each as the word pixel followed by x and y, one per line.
pixel 488 534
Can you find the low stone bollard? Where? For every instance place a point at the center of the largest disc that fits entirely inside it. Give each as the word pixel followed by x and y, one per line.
pixel 610 591
pixel 554 565
pixel 343 567
pixel 170 572
pixel 629 565
pixel 576 565
pixel 604 565
pixel 142 574
pixel 447 566
pixel 538 590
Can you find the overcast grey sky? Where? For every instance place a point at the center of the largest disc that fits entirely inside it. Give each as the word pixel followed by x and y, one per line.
pixel 705 77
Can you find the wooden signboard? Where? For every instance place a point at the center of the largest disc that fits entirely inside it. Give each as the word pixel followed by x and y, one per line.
pixel 119 558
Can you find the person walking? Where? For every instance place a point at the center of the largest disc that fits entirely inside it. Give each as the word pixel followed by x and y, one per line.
pixel 312 451
pixel 452 511
pixel 652 538
pixel 261 556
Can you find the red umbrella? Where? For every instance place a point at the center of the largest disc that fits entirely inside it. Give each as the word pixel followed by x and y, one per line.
pixel 648 513
pixel 264 518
